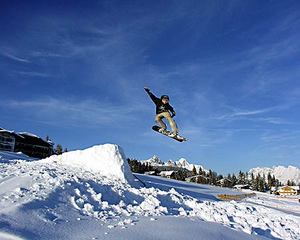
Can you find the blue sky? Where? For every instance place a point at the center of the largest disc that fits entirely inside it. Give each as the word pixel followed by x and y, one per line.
pixel 75 70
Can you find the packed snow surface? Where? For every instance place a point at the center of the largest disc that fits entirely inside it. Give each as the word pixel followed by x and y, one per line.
pixel 283 174
pixel 6 156
pixel 78 195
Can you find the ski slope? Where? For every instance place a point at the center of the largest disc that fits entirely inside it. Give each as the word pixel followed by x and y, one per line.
pixel 91 194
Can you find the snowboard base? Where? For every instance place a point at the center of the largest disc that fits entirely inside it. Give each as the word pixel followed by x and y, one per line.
pixel 177 137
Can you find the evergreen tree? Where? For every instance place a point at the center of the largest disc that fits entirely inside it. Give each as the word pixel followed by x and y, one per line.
pixel 253 182
pixel 256 183
pixel 234 180
pixel 269 181
pixel 241 178
pixel 194 171
pixel 59 149
pixel 293 183
pixel 261 184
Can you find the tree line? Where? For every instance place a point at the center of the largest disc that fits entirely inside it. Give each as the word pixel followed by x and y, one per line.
pixel 257 182
pixel 57 148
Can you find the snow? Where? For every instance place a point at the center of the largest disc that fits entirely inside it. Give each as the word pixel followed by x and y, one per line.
pixel 5 130
pixel 90 194
pixel 29 134
pixel 182 162
pixel 107 160
pixel 153 161
pixel 283 174
pixel 6 156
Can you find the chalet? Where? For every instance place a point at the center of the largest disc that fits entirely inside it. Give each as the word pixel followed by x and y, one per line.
pixel 167 174
pixel 273 190
pixel 196 178
pixel 224 182
pixel 241 186
pixel 24 142
pixel 288 190
pixel 150 173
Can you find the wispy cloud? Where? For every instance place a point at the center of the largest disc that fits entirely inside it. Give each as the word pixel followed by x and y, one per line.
pixel 46 54
pixel 87 112
pixel 14 57
pixel 34 74
pixel 282 136
pixel 241 113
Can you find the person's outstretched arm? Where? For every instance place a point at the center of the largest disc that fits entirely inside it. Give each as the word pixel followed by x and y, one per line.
pixel 152 96
pixel 171 109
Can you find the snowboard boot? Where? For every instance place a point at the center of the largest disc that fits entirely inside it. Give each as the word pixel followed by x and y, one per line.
pixel 172 134
pixel 163 131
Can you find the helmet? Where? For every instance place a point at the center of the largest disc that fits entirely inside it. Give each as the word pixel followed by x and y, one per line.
pixel 164 97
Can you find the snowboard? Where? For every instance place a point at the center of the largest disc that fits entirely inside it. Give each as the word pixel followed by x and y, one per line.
pixel 177 137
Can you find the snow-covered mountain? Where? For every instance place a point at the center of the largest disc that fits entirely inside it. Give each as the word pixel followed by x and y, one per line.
pixel 153 161
pixel 182 163
pixel 171 163
pixel 283 174
pixel 92 194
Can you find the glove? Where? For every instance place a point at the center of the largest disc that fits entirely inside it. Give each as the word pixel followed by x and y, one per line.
pixel 147 89
pixel 173 114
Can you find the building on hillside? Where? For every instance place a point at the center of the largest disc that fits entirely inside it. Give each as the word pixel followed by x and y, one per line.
pixel 7 140
pixel 167 174
pixel 27 143
pixel 288 190
pixel 241 186
pixel 224 182
pixel 150 173
pixel 196 178
pixel 273 190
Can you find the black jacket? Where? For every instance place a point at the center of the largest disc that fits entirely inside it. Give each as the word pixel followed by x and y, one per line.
pixel 160 106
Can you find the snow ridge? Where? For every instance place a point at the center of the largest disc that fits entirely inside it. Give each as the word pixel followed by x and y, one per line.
pixel 107 160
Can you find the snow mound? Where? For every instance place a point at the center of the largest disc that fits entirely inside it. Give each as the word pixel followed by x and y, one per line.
pixel 107 160
pixel 6 156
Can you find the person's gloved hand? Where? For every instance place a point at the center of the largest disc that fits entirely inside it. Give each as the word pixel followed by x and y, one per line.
pixel 173 114
pixel 147 89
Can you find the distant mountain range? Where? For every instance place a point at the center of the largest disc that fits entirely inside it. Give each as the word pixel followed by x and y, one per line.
pixel 283 174
pixel 182 163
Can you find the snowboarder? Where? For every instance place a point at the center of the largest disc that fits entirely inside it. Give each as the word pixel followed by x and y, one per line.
pixel 164 110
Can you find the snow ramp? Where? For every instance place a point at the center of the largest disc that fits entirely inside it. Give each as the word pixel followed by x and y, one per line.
pixel 107 160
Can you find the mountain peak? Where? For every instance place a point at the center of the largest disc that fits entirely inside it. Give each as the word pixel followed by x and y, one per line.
pixel 282 173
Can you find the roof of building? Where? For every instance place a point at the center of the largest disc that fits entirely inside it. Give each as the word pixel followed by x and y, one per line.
pixel 295 188
pixel 166 173
pixel 27 137
pixel 2 130
pixel 240 185
pixel 33 139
